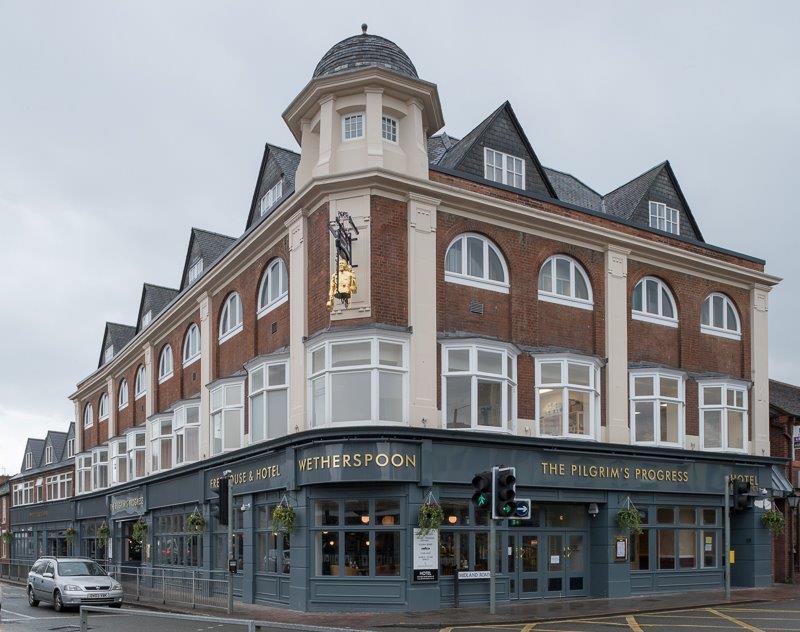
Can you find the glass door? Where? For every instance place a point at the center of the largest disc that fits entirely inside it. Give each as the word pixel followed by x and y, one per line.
pixel 554 565
pixel 523 565
pixel 566 564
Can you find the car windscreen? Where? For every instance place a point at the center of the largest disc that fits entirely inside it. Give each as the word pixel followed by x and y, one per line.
pixel 77 569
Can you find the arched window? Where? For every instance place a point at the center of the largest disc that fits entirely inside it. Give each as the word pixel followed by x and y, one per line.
pixel 653 302
pixel 165 364
pixel 122 398
pixel 102 406
pixel 474 260
pixel 719 317
pixel 140 384
pixel 191 344
pixel 274 288
pixel 563 280
pixel 88 416
pixel 230 323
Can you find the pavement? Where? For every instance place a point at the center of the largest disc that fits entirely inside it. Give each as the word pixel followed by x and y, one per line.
pixel 757 610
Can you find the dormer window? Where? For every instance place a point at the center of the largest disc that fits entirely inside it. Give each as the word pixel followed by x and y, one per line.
pixel 109 353
pixel 28 460
pixel 48 455
pixel 664 218
pixel 148 316
pixel 195 271
pixel 70 448
pixel 504 168
pixel 389 129
pixel 353 126
pixel 271 197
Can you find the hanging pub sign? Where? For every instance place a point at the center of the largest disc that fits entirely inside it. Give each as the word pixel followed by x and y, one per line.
pixel 343 280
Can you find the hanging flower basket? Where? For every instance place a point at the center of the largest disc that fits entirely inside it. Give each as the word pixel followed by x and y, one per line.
pixel 196 522
pixel 773 520
pixel 7 537
pixel 283 518
pixel 70 533
pixel 103 533
pixel 430 517
pixel 629 519
pixel 139 531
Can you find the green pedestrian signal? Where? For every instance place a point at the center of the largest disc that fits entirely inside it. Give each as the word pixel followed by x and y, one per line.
pixel 482 486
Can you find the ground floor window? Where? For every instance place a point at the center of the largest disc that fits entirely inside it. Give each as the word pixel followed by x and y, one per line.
pixel 220 540
pixel 273 549
pixel 23 545
pixel 358 538
pixel 175 543
pixel 91 546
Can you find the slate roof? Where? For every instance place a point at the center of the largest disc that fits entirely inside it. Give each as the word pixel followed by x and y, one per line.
pixel 36 448
pixel 208 246
pixel 287 162
pixel 364 51
pixel 154 299
pixel 623 200
pixel 572 190
pixel 59 442
pixel 117 335
pixel 58 439
pixel 785 396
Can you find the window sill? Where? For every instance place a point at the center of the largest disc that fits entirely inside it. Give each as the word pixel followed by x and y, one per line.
pixel 483 284
pixel 272 306
pixel 493 429
pixel 564 300
pixel 539 435
pixel 86 426
pixel 230 334
pixel 191 360
pixel 655 320
pixel 721 333
pixel 139 396
pixel 123 407
pixel 164 378
pixel 725 450
pixel 654 444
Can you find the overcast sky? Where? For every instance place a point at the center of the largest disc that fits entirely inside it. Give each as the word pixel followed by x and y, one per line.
pixel 123 124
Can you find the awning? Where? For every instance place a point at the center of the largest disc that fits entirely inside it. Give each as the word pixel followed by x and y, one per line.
pixel 781 487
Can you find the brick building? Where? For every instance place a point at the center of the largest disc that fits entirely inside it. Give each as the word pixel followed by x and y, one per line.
pixel 784 430
pixel 506 313
pixel 5 522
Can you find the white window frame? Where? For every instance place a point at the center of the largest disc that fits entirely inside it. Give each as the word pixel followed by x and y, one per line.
pixel 48 455
pixel 58 486
pixel 192 338
pixel 195 271
pixel 724 408
pixel 157 437
pixel 724 331
pixel 649 317
pixel 346 132
pixel 665 218
pixel 594 389
pixel 83 467
pixel 390 129
pixel 551 296
pixel 507 164
pixel 483 282
pixel 180 427
pixel 122 394
pixel 271 197
pixel 28 460
pixel 219 405
pixel 140 382
pixel 109 354
pixel 261 388
pixel 373 367
pixel 657 399
pixel 98 463
pixel 102 407
pixel 166 364
pixel 70 448
pixel 228 329
pixel 507 378
pixel 118 458
pixel 88 415
pixel 283 287
pixel 136 443
pixel 23 494
pixel 147 318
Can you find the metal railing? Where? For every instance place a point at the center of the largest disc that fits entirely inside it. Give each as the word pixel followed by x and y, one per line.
pixel 15 570
pixel 191 588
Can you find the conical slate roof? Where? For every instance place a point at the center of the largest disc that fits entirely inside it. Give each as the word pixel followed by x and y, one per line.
pixel 364 51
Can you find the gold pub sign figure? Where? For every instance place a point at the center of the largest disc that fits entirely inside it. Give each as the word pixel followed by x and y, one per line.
pixel 343 280
pixel 343 284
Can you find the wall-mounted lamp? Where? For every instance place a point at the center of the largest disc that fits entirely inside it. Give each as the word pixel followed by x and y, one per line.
pixel 593 510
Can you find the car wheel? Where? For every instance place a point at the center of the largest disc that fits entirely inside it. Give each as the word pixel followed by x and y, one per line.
pixel 32 601
pixel 58 604
pixel 116 605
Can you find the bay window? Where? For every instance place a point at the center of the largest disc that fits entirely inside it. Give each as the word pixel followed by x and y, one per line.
pixel 269 400
pixel 357 381
pixel 723 415
pixel 119 460
pixel 227 416
pixel 478 386
pixel 161 444
pixel 100 467
pixel 186 425
pixel 657 408
pixel 136 442
pixel 568 397
pixel 84 465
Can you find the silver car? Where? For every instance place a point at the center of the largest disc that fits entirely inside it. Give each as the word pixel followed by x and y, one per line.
pixel 71 581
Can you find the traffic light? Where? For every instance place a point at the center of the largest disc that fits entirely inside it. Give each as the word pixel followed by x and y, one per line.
pixel 504 490
pixel 482 487
pixel 219 509
pixel 740 490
